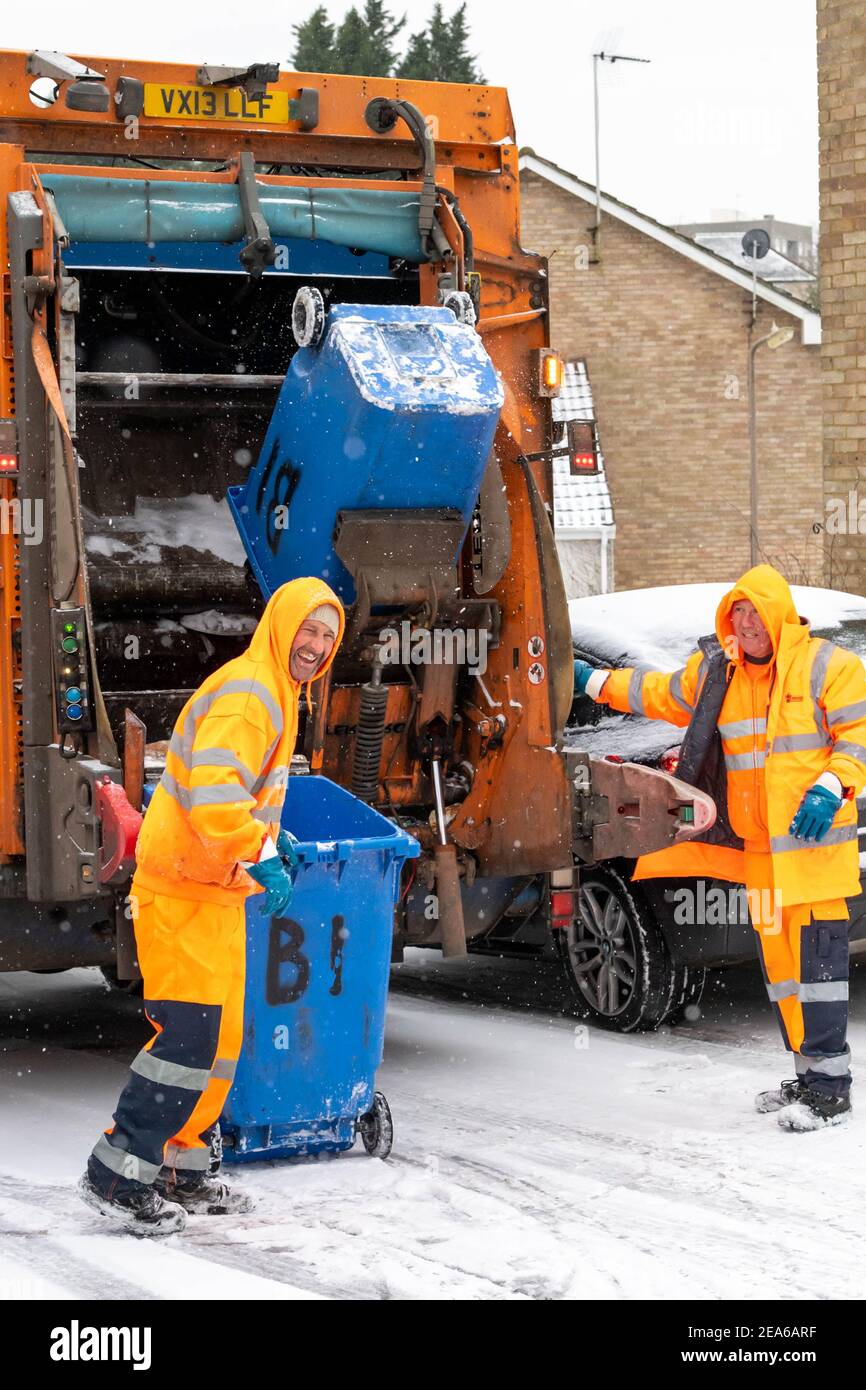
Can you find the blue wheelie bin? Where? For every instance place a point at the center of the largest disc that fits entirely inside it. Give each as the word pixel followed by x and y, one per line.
pixel 317 985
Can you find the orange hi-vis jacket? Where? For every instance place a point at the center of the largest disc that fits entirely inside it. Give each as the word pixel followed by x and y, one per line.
pixel 781 727
pixel 228 760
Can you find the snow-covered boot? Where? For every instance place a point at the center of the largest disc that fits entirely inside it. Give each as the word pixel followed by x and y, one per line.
pixel 787 1094
pixel 205 1195
pixel 141 1213
pixel 814 1110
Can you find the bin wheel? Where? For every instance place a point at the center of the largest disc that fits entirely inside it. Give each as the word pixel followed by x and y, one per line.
pixel 460 304
pixel 308 317
pixel 377 1128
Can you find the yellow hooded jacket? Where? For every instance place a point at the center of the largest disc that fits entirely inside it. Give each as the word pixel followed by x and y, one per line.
pixel 228 761
pixel 779 734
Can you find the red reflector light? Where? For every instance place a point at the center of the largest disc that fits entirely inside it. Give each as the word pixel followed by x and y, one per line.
pixel 8 463
pixel 582 451
pixel 669 761
pixel 561 908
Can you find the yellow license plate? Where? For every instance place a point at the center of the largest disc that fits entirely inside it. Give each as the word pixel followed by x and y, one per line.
pixel 214 104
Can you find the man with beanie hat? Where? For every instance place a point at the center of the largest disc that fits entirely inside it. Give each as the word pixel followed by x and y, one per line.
pixel 782 716
pixel 210 838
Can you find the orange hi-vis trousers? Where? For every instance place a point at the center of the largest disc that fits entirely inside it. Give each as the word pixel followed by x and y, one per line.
pixel 192 957
pixel 804 955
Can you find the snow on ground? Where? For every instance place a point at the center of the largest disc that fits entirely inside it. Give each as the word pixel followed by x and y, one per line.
pixel 533 1158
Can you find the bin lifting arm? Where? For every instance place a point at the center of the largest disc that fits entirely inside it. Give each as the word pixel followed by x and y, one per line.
pixel 258 250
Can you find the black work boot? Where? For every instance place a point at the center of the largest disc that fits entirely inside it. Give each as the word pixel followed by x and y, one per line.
pixel 787 1094
pixel 143 1212
pixel 203 1194
pixel 814 1110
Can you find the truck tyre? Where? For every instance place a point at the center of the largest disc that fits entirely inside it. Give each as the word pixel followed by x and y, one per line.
pixel 614 955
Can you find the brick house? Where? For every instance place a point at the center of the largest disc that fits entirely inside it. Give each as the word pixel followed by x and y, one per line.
pixel 663 325
pixel 842 128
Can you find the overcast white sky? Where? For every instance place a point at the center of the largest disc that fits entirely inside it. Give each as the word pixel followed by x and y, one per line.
pixel 724 116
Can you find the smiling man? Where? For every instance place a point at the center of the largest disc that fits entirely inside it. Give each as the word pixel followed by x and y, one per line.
pixel 777 733
pixel 210 838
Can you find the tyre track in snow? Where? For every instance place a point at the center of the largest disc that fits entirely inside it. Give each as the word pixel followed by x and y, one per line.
pixel 38 1248
pixel 709 1210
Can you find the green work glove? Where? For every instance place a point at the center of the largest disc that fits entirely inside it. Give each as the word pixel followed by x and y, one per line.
pixel 286 842
pixel 815 814
pixel 582 673
pixel 274 877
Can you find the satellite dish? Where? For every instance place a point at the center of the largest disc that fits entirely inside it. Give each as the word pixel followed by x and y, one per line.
pixel 756 243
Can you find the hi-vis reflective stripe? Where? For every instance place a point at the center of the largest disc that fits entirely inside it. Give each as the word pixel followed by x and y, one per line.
pixel 700 676
pixel 824 1066
pixel 742 728
pixel 123 1163
pixel 847 714
pixel 187 1160
pixel 836 835
pixel 204 702
pixel 635 689
pixel 796 743
pixel 166 1073
pixel 824 992
pixel 223 1069
pixel 181 744
pixel 269 814
pixel 854 750
pixel 740 762
pixel 277 777
pixel 225 795
pixel 676 690
pixel 820 662
pixel 204 796
pixel 218 757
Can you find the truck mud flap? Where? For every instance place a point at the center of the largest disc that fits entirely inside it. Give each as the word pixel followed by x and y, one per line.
pixel 623 810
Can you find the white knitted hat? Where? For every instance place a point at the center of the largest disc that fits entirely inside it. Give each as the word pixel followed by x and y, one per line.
pixel 326 613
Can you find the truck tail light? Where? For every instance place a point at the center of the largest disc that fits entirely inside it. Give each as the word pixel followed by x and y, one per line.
pixel 561 908
pixel 582 450
pixel 8 449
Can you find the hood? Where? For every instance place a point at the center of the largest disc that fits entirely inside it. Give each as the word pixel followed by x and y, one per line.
pixel 286 609
pixel 766 588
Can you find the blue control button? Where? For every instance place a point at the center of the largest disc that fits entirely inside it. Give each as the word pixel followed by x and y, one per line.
pixel 73 694
pixel 73 712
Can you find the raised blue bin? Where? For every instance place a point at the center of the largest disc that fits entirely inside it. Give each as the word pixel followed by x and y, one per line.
pixel 317 981
pixel 395 409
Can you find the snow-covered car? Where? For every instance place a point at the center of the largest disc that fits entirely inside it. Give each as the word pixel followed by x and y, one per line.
pixel 637 953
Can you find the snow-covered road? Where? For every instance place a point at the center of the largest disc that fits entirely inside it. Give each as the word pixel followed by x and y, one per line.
pixel 533 1158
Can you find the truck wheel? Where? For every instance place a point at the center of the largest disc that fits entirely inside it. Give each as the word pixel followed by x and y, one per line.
pixel 614 955
pixel 377 1128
